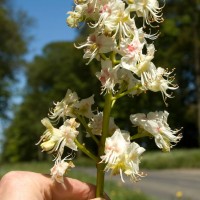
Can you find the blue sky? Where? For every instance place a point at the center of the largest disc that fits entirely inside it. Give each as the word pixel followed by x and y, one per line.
pixel 50 25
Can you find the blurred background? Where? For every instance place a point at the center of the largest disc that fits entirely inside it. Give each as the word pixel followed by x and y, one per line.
pixel 38 63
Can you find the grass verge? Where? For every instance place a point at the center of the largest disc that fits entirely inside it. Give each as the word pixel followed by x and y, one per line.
pixel 177 158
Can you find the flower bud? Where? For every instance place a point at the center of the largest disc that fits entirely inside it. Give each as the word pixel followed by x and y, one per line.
pixel 73 19
pixel 48 145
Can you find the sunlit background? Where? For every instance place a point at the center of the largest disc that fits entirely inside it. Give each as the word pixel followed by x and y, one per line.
pixel 38 63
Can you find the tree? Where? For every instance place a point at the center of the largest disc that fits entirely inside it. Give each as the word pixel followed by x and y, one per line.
pixel 13 45
pixel 48 77
pixel 180 44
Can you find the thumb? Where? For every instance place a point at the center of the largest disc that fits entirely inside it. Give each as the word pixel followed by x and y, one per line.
pixel 73 189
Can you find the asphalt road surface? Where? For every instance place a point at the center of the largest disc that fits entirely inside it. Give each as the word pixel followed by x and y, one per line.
pixel 163 184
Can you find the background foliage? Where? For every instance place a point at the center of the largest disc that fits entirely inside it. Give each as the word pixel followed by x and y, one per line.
pixel 60 66
pixel 13 44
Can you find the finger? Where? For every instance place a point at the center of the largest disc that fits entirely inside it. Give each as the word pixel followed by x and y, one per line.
pixel 24 185
pixel 72 189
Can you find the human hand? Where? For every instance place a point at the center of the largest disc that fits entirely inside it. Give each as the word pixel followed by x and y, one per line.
pixel 21 185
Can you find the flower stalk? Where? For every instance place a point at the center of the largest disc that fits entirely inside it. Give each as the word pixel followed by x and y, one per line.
pixel 83 122
pixel 126 68
pixel 101 147
pixel 86 151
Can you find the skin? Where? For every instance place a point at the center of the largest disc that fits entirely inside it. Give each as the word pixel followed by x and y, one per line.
pixel 21 185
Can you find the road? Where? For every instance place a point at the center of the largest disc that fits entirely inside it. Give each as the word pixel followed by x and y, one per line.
pixel 163 184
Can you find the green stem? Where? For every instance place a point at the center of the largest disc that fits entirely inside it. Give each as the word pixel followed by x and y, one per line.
pixel 83 122
pixel 103 56
pixel 113 59
pixel 140 135
pixel 86 151
pixel 105 127
pixel 126 92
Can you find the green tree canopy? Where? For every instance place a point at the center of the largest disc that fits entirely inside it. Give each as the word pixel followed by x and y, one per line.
pixel 59 68
pixel 13 45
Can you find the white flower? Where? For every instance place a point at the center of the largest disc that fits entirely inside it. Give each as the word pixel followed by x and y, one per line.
pixel 50 137
pixel 95 45
pixel 89 10
pixel 115 146
pixel 131 49
pixel 141 64
pixel 69 133
pixel 59 169
pixel 145 61
pixel 96 122
pixel 132 161
pixel 156 124
pixel 74 19
pixel 108 75
pixel 128 81
pixel 65 107
pixel 115 19
pixel 54 140
pixel 104 11
pixel 84 107
pixel 122 156
pixel 157 79
pixel 148 9
pixel 83 10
